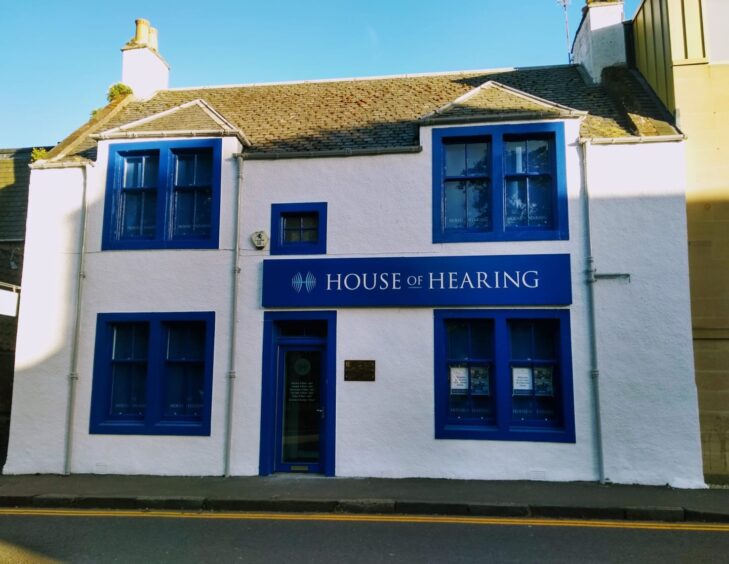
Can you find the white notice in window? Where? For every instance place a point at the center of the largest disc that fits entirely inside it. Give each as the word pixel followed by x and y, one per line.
pixel 459 379
pixel 8 303
pixel 521 380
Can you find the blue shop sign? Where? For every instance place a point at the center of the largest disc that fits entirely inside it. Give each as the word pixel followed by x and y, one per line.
pixel 419 282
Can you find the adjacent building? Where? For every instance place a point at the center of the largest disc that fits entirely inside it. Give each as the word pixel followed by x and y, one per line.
pixel 463 275
pixel 682 50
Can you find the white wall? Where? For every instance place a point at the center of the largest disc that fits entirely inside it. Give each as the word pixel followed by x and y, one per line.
pixel 650 409
pixel 42 361
pixel 381 206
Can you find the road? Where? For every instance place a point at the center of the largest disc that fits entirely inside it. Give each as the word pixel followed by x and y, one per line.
pixel 156 536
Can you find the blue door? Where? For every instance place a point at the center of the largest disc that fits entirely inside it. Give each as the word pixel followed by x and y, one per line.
pixel 298 393
pixel 300 414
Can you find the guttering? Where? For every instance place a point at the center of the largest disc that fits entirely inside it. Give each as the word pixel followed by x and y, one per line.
pixel 233 321
pixel 172 134
pixel 592 320
pixel 330 153
pixel 633 140
pixel 73 369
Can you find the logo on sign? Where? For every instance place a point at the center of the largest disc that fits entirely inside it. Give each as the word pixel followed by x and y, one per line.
pixel 307 282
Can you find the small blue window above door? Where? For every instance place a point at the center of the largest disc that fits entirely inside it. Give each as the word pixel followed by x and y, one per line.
pixel 163 195
pixel 299 229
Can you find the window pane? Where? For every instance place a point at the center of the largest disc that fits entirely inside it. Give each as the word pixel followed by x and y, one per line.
pixel 309 221
pixel 545 339
pixel 477 158
pixel 185 341
pixel 130 341
pixel 481 338
pixel 455 205
pixel 309 236
pixel 455 159
pixel 521 339
pixel 192 212
pixel 457 339
pixel 515 157
pixel 538 155
pixel 516 203
pixel 193 169
pixel 292 236
pixel 140 171
pixel 540 201
pixel 138 211
pixel 184 390
pixel 479 205
pixel 128 389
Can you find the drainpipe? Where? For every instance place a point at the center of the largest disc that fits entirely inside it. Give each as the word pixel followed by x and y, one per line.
pixel 73 370
pixel 590 272
pixel 233 321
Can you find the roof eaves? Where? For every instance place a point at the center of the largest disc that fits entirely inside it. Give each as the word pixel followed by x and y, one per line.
pixel 494 117
pixel 112 134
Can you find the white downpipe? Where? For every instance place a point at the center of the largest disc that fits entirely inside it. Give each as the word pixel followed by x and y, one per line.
pixel 590 272
pixel 233 321
pixel 73 369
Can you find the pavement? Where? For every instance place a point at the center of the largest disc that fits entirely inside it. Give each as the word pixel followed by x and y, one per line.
pixel 413 496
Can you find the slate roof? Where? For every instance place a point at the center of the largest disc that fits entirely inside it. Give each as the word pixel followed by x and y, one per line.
pixel 14 179
pixel 362 114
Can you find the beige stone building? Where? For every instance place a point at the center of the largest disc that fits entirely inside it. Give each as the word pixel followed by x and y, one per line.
pixel 682 50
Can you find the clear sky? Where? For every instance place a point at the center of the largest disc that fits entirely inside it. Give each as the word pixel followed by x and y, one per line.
pixel 59 57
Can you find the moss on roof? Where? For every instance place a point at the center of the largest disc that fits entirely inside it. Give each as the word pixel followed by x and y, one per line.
pixel 384 112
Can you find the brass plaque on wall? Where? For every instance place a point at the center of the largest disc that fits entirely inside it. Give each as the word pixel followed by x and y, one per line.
pixel 359 370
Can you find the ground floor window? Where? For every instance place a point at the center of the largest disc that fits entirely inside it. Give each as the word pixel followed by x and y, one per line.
pixel 153 373
pixel 503 375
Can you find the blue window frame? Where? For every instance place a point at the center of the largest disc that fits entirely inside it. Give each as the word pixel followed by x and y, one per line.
pixel 503 375
pixel 163 195
pixel 499 183
pixel 153 373
pixel 299 229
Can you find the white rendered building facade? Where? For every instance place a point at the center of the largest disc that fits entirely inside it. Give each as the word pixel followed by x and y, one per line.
pixel 503 298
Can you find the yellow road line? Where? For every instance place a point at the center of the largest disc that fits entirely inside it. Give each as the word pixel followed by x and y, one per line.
pixel 363 518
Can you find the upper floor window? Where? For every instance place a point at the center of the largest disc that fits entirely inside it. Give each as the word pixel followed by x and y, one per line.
pixel 163 195
pixel 299 229
pixel 499 183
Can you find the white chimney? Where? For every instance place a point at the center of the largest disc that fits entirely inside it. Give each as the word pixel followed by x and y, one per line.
pixel 600 40
pixel 143 68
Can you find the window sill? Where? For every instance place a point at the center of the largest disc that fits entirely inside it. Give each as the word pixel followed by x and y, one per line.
pixel 513 434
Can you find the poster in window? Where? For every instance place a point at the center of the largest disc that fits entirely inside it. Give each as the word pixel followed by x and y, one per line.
pixel 544 381
pixel 480 381
pixel 521 381
pixel 459 379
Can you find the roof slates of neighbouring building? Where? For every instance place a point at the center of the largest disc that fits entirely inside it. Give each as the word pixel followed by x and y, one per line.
pixel 14 179
pixel 384 112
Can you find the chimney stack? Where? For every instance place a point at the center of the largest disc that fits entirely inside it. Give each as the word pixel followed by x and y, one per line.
pixel 600 40
pixel 143 68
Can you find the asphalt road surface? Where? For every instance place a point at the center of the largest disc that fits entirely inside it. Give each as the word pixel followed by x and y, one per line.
pixel 156 536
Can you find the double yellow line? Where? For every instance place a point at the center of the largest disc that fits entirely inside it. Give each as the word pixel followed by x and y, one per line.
pixel 364 518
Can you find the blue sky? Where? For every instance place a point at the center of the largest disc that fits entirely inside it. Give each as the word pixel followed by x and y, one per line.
pixel 60 56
